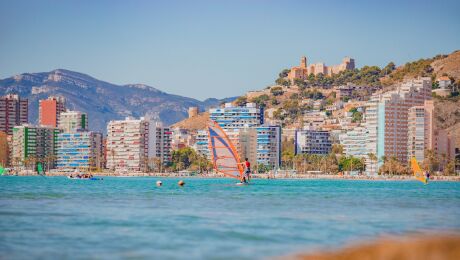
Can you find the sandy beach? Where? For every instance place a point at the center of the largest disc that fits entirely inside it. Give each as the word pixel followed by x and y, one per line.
pixel 258 176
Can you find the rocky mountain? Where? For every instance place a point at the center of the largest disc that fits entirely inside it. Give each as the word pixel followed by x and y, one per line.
pixel 102 101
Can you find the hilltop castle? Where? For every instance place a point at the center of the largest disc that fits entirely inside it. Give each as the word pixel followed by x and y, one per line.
pixel 302 71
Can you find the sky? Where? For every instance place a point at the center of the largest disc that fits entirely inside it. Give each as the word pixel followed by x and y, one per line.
pixel 204 49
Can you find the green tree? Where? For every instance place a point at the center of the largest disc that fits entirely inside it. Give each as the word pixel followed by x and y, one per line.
pixel 276 91
pixel 357 117
pixel 263 168
pixel 241 101
pixel 392 166
pixel 294 96
pixel 183 158
pixel 350 163
pixel 431 161
pixel 300 83
pixel 261 100
pixel 283 82
pixel 450 168
pixel 337 149
pixel 284 73
pixel 287 158
pixel 388 69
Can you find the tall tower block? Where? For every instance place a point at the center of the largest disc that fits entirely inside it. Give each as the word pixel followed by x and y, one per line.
pixel 303 62
pixel 50 110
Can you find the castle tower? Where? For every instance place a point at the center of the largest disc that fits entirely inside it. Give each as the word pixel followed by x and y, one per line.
pixel 303 62
pixel 348 63
pixel 192 112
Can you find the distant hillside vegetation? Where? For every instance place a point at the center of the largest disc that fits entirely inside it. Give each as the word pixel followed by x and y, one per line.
pixel 447 115
pixel 440 65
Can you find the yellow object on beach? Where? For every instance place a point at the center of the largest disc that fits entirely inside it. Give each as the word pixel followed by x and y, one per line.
pixel 418 173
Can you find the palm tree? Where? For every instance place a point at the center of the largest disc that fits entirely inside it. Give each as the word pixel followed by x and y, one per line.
pixel 373 158
pixel 287 159
pixel 297 162
pixel 158 164
pixel 49 159
pixel 32 160
pixel 112 154
pixel 444 162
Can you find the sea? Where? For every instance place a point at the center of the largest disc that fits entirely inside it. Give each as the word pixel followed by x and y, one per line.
pixel 132 218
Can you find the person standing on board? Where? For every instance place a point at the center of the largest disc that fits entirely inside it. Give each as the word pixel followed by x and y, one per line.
pixel 247 172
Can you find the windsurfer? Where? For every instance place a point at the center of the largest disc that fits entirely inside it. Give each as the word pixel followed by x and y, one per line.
pixel 247 172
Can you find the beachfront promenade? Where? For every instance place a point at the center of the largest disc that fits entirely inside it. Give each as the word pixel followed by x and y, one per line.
pixel 254 176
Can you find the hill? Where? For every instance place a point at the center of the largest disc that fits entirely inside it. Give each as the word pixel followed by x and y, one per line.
pixel 287 100
pixel 102 101
pixel 195 123
pixel 447 115
pixel 449 65
pixel 440 65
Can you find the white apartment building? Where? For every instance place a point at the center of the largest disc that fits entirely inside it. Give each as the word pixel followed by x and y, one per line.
pixel 71 121
pixel 354 142
pixel 131 143
pixel 231 117
pixel 127 144
pixel 416 133
pixel 202 143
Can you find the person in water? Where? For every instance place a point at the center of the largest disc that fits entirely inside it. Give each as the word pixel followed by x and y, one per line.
pixel 427 176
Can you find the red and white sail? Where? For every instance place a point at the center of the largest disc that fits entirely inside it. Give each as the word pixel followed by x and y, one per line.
pixel 224 155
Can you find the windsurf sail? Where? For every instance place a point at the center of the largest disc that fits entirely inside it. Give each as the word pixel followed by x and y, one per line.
pixel 40 170
pixel 224 156
pixel 2 170
pixel 418 173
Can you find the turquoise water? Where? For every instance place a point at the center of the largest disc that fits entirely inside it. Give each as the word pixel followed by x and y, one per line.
pixel 56 218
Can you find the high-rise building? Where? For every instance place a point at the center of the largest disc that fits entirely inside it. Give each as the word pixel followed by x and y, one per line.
pixel 50 110
pixel 354 142
pixel 79 150
pixel 162 142
pixel 14 111
pixel 71 121
pixel 128 144
pixel 131 143
pixel 232 117
pixel 4 149
pixel 387 118
pixel 201 145
pixel 269 146
pixel 245 142
pixel 416 133
pixel 313 142
pixel 34 142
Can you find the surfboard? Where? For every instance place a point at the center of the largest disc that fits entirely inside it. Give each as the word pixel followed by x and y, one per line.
pixel 241 184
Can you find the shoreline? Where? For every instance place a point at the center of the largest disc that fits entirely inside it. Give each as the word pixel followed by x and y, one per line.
pixel 256 176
